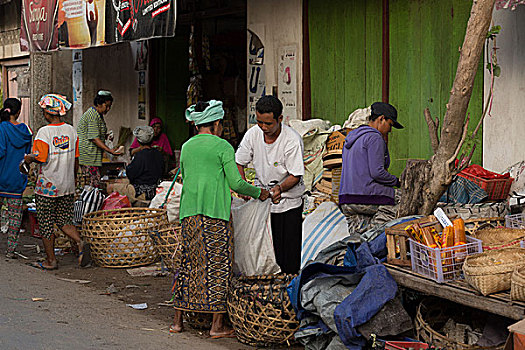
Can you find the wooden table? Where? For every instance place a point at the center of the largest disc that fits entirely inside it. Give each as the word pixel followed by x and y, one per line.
pixel 459 292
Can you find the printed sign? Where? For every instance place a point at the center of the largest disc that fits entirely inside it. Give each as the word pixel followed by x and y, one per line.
pixel 140 19
pixel 37 32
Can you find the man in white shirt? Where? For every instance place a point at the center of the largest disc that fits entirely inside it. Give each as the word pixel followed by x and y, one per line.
pixel 276 152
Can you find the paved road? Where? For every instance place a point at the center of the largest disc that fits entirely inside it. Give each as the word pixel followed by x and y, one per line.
pixel 73 316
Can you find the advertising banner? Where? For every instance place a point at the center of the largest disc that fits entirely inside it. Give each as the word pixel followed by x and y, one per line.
pixel 140 19
pixel 50 24
pixel 39 18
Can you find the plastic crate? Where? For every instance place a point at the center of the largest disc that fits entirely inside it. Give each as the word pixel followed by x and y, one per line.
pixel 405 345
pixel 515 221
pixel 497 189
pixel 442 264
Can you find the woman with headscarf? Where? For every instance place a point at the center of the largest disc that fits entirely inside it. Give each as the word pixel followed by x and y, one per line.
pixel 92 132
pixel 208 172
pixel 160 140
pixel 15 142
pixel 144 171
pixel 55 150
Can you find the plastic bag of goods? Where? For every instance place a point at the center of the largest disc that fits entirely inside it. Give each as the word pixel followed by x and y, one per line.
pixel 252 233
pixel 172 201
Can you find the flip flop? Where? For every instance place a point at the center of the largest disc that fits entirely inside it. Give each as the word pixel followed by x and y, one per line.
pixel 225 335
pixel 86 255
pixel 172 330
pixel 40 265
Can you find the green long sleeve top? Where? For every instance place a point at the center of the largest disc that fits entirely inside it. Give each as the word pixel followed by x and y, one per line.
pixel 208 171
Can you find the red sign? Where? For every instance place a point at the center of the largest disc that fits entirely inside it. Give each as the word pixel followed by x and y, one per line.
pixel 39 19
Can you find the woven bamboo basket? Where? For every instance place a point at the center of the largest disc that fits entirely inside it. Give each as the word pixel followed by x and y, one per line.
pixel 432 314
pixel 260 310
pixel 490 272
pixel 499 238
pixel 122 237
pixel 167 243
pixel 336 183
pixel 517 284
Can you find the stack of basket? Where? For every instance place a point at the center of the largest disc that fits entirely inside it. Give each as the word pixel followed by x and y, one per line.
pixel 332 162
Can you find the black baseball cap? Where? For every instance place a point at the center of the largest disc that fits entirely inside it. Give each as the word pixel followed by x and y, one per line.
pixel 386 110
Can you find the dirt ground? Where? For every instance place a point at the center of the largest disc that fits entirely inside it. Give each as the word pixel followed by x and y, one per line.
pixel 155 291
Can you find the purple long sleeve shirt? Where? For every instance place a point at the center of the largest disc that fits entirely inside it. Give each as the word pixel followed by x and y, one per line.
pixel 364 178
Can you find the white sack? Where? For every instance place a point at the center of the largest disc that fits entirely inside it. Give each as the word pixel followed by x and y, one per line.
pixel 252 232
pixel 360 116
pixel 173 202
pixel 324 226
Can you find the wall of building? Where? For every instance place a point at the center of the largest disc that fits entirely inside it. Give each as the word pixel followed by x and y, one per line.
pixel 278 24
pixel 112 68
pixel 504 129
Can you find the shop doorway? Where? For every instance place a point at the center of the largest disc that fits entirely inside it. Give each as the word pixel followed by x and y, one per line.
pixel 15 82
pixel 218 40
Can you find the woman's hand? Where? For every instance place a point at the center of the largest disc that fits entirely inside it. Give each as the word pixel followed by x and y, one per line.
pixel 117 151
pixel 265 194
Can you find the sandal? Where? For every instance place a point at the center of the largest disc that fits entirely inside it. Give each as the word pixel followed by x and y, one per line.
pixel 85 255
pixel 230 334
pixel 40 265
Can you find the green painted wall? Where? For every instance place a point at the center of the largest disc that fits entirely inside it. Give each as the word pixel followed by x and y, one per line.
pixel 345 63
pixel 345 56
pixel 172 82
pixel 425 37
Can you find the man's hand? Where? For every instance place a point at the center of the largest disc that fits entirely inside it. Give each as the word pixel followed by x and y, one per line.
pixel 264 194
pixel 276 194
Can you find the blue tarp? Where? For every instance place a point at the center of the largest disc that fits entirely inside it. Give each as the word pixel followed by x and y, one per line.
pixel 375 288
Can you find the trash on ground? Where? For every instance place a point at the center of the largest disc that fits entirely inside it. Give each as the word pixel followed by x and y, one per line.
pixel 74 280
pixel 138 306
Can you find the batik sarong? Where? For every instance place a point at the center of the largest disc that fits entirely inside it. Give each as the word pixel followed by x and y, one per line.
pixel 206 265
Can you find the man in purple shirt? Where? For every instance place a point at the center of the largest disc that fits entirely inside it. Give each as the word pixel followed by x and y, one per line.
pixel 365 182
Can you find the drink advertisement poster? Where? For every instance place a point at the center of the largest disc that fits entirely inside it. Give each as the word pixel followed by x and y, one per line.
pixel 140 19
pixel 81 23
pixel 39 18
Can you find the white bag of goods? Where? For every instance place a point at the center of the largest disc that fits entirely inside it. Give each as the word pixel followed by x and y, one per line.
pixel 324 226
pixel 172 203
pixel 252 235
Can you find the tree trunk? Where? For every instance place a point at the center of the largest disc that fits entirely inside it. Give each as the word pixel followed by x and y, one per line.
pixel 424 183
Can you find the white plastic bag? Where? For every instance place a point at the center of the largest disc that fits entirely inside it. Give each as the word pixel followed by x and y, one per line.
pixel 173 202
pixel 252 233
pixel 324 226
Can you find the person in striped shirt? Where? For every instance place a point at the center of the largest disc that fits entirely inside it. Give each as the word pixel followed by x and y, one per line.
pixel 92 131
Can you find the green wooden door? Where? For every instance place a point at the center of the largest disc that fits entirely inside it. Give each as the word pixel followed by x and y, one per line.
pixel 172 82
pixel 345 64
pixel 345 56
pixel 425 37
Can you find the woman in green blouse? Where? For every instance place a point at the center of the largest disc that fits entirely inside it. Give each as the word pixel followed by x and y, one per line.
pixel 208 172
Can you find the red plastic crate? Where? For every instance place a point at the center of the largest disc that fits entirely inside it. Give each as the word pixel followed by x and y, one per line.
pixel 496 189
pixel 404 345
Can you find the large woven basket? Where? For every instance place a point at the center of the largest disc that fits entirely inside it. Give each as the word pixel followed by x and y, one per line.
pixel 499 238
pixel 433 314
pixel 167 242
pixel 517 284
pixel 122 237
pixel 260 310
pixel 490 272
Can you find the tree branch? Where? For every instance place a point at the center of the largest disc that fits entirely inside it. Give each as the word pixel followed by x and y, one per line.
pixel 463 138
pixel 433 127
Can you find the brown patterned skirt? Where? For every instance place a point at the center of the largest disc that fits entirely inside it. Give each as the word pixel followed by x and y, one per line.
pixel 206 266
